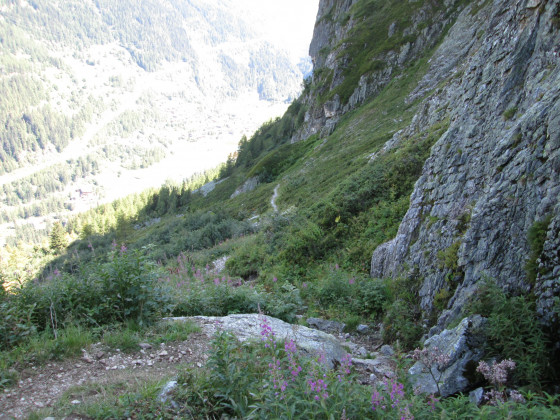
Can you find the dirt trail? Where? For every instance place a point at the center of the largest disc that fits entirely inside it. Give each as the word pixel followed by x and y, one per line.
pixel 42 386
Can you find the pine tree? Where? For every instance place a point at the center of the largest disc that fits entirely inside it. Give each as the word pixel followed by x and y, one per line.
pixel 57 238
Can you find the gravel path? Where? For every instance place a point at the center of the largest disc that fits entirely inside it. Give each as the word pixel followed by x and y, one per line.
pixel 42 386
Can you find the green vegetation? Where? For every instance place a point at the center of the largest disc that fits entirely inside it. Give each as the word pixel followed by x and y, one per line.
pixel 514 332
pixel 509 113
pixel 402 321
pixel 365 48
pixel 58 240
pixel 536 238
pixel 272 380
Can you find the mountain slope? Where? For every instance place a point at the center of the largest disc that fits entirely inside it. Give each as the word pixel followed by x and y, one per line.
pixel 413 183
pixel 119 88
pixel 446 172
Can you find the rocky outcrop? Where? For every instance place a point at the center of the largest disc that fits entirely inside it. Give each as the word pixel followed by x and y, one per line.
pixel 310 341
pixel 331 53
pixel 461 348
pixel 548 278
pixel 247 186
pixel 496 170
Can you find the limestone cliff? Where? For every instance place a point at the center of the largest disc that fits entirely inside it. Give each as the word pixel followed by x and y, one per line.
pixel 494 175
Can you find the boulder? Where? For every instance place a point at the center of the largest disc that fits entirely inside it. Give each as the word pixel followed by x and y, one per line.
pixel 331 327
pixel 462 345
pixel 248 327
pixel 362 329
pixel 387 350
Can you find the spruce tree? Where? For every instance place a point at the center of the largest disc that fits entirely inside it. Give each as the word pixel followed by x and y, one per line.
pixel 57 238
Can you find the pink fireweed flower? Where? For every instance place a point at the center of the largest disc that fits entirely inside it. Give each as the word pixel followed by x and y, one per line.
pixel 278 381
pixel 267 335
pixel 352 280
pixel 295 369
pixel 396 393
pixel 216 281
pixel 274 279
pixel 304 285
pixel 123 248
pixel 319 388
pixel 432 400
pixel 376 400
pixel 346 363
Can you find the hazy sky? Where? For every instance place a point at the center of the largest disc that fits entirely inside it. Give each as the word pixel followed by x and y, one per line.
pixel 288 23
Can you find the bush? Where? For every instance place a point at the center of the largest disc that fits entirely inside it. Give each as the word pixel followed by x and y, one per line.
pixel 125 288
pixel 513 331
pixel 401 323
pixel 371 297
pixel 334 289
pixel 202 294
pixel 246 259
pixel 272 380
pixel 131 289
pixel 536 237
pixel 15 323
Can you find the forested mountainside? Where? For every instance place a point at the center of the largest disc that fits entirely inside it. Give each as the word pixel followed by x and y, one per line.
pixel 76 77
pixel 413 186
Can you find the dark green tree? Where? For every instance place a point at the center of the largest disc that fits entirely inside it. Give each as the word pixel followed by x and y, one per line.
pixel 57 238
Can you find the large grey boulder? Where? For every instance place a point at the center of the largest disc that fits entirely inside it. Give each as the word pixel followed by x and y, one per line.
pixel 248 327
pixel 462 345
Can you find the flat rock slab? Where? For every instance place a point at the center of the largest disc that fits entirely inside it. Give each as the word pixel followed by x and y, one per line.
pixel 248 327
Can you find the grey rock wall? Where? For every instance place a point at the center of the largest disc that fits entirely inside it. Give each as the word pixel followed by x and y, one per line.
pixel 496 171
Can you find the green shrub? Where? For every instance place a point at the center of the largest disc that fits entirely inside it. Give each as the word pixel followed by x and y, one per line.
pixel 513 331
pixel 15 322
pixel 302 243
pixel 402 323
pixel 126 288
pixel 334 289
pixel 131 289
pixel 205 295
pixel 247 258
pixel 272 380
pixel 370 297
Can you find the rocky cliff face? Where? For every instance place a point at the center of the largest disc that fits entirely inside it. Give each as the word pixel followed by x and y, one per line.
pixel 494 176
pixel 358 47
pixel 496 171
